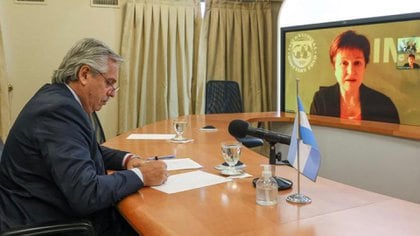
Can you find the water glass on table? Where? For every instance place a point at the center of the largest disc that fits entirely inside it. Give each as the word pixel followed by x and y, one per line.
pixel 180 126
pixel 231 152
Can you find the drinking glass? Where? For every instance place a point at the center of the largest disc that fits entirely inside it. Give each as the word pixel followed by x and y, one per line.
pixel 231 152
pixel 179 127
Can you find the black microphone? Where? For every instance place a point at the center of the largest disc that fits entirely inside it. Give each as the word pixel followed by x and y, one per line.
pixel 240 128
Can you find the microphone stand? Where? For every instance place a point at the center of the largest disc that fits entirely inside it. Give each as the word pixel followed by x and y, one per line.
pixel 275 158
pixel 282 183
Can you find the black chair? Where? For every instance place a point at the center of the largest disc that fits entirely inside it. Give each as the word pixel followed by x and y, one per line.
pixel 224 96
pixel 81 227
pixel 100 135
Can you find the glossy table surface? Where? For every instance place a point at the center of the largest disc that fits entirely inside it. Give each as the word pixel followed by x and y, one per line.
pixel 230 208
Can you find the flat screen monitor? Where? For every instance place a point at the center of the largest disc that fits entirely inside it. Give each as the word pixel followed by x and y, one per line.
pixel 305 55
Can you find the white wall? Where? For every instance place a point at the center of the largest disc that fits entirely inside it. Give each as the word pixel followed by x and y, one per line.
pixel 377 163
pixel 36 38
pixel 300 12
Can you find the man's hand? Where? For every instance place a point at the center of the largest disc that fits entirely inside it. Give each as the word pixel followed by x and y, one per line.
pixel 135 162
pixel 154 172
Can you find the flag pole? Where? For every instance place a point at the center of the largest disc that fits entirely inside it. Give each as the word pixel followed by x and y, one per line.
pixel 298 197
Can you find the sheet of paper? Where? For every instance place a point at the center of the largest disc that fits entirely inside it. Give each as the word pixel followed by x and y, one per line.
pixel 151 136
pixel 190 180
pixel 181 164
pixel 244 175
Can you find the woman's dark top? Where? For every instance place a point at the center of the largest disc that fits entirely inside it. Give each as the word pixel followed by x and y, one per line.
pixel 375 106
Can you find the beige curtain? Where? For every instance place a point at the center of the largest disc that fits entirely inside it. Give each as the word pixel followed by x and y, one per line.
pixel 236 44
pixel 4 95
pixel 157 79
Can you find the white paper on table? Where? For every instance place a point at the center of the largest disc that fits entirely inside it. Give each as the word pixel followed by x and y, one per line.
pixel 182 164
pixel 241 176
pixel 151 136
pixel 190 180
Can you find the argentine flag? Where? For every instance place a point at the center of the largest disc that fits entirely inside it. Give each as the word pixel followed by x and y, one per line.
pixel 309 155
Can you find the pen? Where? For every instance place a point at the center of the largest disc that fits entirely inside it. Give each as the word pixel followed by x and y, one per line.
pixel 161 157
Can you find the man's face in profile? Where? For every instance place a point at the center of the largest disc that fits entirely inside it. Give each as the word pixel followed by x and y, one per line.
pixel 100 88
pixel 349 66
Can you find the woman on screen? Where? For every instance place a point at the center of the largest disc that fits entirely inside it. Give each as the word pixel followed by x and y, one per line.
pixel 349 98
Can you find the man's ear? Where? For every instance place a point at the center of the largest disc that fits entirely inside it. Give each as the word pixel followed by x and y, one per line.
pixel 83 73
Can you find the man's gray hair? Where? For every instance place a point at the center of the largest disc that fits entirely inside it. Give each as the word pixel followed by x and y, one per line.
pixel 91 52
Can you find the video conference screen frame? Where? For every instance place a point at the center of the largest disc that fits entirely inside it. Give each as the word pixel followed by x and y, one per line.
pixel 393 39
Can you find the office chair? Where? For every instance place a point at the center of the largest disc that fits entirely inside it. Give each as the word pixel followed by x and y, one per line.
pixel 100 135
pixel 81 227
pixel 224 96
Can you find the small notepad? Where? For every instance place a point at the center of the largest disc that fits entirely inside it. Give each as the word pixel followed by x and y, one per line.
pixel 182 164
pixel 190 180
pixel 151 136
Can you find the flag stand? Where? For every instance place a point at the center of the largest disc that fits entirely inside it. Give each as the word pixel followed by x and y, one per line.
pixel 298 197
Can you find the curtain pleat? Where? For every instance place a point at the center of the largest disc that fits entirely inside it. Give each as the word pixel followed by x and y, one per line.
pixel 169 59
pixel 236 44
pixel 159 45
pixel 4 95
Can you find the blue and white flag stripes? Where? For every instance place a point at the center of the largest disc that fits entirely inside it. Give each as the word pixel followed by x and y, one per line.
pixel 309 156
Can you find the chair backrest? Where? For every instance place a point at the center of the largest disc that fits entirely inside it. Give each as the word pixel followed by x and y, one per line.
pixel 223 96
pixel 100 135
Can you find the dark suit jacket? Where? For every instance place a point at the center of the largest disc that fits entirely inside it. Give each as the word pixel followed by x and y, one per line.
pixel 52 167
pixel 375 105
pixel 415 66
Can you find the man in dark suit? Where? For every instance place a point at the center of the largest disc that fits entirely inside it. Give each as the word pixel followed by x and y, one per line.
pixel 52 168
pixel 411 64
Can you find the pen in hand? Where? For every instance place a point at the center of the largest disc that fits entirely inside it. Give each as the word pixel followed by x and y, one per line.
pixel 161 157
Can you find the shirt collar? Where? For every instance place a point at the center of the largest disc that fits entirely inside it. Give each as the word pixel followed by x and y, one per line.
pixel 74 94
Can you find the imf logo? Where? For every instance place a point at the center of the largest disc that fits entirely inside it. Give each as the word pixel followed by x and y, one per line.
pixel 302 53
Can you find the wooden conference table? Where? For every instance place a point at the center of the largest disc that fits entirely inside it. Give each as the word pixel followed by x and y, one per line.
pixel 230 208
